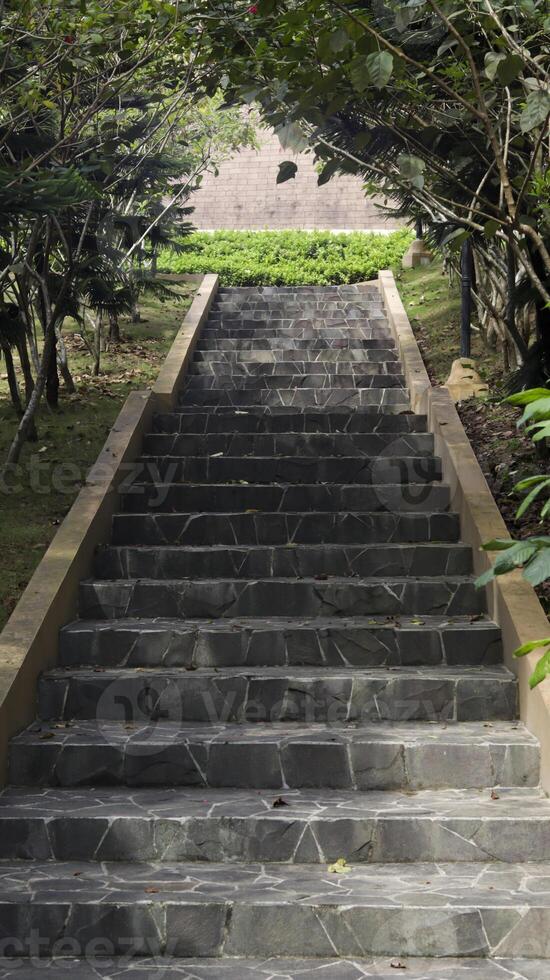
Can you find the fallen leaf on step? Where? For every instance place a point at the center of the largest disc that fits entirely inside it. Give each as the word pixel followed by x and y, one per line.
pixel 280 802
pixel 340 867
pixel 151 891
pixel 397 965
pixel 494 795
pixel 47 735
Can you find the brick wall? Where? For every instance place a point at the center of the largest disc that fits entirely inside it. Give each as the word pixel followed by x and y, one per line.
pixel 245 195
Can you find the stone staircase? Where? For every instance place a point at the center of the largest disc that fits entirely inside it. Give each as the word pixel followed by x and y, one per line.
pixel 281 661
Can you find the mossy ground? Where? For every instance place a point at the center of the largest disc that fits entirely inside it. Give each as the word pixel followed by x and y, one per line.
pixel 53 469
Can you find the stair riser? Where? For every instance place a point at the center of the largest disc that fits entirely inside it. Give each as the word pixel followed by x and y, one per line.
pixel 202 645
pixel 290 307
pixel 338 762
pixel 280 529
pixel 285 837
pixel 288 469
pixel 289 444
pixel 388 370
pixel 385 399
pixel 275 382
pixel 292 348
pixel 228 598
pixel 359 352
pixel 262 421
pixel 229 699
pixel 282 561
pixel 302 330
pixel 418 497
pixel 211 928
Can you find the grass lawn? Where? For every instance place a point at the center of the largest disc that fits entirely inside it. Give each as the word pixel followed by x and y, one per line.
pixel 53 469
pixel 433 307
pixel 505 454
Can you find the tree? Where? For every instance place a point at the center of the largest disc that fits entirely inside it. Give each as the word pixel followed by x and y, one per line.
pixel 443 107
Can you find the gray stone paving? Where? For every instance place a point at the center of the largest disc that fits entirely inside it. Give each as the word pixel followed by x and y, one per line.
pixel 282 662
pixel 281 969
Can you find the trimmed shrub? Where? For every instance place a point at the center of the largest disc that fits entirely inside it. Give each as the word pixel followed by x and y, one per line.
pixel 286 258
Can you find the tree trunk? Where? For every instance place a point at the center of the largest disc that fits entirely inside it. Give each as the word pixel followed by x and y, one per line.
pixel 12 381
pixel 29 381
pixel 63 364
pixel 114 328
pixel 27 421
pixel 52 379
pixel 98 339
pixel 136 315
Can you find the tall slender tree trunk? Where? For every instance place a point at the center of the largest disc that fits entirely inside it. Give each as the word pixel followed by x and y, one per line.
pixel 52 379
pixel 63 363
pixel 28 379
pixel 114 328
pixel 12 381
pixel 98 343
pixel 27 421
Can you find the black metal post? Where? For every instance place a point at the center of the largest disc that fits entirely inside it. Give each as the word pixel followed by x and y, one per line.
pixel 419 229
pixel 466 268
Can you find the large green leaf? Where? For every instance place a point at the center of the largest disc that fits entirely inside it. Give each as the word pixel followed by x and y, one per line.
pixel 525 397
pixel 380 67
pixel 538 570
pixel 287 170
pixel 541 671
pixel 536 110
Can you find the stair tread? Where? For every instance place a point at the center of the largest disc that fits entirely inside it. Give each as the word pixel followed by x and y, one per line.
pixel 460 733
pixel 495 672
pixel 437 885
pixel 427 622
pixel 276 968
pixel 181 803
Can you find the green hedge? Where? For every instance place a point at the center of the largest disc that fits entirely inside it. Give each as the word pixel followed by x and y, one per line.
pixel 287 258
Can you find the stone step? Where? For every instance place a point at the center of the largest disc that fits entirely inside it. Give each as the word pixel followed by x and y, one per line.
pixel 258 419
pixel 272 968
pixel 386 755
pixel 242 826
pixel 284 529
pixel 282 561
pixel 295 350
pixel 288 469
pixel 288 306
pixel 281 642
pixel 226 910
pixel 343 290
pixel 288 444
pixel 279 367
pixel 298 330
pixel 274 381
pixel 385 399
pixel 273 694
pixel 299 498
pixel 378 348
pixel 225 597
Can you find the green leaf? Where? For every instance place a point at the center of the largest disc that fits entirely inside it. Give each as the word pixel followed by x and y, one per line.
pixel 538 570
pixel 510 68
pixel 291 137
pixel 492 61
pixel 530 481
pixel 327 172
pixel 287 171
pixel 525 504
pixel 526 648
pixel 541 671
pixel 485 578
pixel 359 75
pixel 539 408
pixel 491 227
pixel 498 544
pixel 380 67
pixel 338 40
pixel 536 110
pixel 525 397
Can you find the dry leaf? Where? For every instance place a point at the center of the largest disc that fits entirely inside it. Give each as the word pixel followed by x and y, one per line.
pixel 340 867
